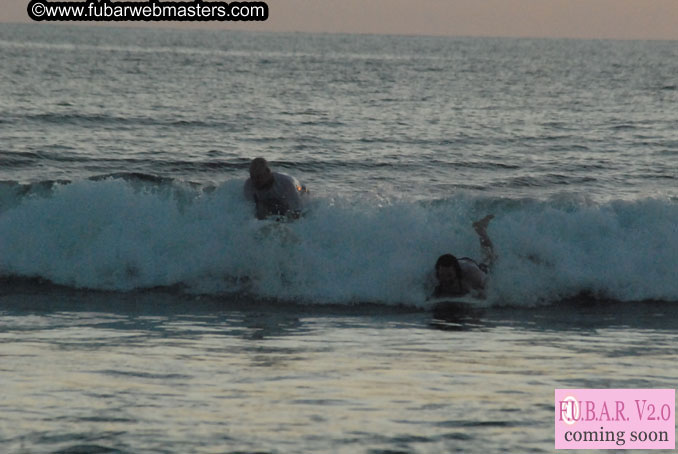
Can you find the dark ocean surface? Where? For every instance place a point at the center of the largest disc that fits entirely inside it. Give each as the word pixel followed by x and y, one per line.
pixel 143 309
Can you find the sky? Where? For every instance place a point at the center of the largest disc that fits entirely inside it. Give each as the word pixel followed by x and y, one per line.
pixel 604 19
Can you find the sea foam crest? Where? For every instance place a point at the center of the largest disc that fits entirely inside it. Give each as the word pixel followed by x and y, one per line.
pixel 120 234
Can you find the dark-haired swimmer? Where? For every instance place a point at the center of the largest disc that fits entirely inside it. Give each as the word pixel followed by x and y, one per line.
pixel 459 277
pixel 273 193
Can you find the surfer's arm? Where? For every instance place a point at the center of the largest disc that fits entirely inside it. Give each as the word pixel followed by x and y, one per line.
pixel 485 243
pixel 260 209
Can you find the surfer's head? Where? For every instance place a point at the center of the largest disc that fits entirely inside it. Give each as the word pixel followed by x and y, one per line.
pixel 260 173
pixel 448 271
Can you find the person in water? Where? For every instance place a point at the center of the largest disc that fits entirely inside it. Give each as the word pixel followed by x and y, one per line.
pixel 459 277
pixel 273 193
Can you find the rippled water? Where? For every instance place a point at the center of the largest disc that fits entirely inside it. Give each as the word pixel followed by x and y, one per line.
pixel 164 374
pixel 349 114
pixel 142 310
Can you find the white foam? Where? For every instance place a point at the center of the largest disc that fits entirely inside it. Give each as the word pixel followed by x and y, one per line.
pixel 116 235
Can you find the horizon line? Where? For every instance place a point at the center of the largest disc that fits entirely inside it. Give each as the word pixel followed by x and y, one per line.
pixel 169 26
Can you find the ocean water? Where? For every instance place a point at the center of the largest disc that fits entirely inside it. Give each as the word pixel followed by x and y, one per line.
pixel 144 310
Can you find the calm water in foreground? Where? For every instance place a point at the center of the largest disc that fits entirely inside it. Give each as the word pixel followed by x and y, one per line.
pixel 161 373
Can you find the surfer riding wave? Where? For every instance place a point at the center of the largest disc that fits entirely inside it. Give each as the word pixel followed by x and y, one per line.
pixel 273 193
pixel 464 276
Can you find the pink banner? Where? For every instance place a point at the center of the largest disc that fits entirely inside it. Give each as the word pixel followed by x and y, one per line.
pixel 615 418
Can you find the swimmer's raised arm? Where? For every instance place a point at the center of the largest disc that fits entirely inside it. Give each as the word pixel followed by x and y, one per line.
pixel 485 243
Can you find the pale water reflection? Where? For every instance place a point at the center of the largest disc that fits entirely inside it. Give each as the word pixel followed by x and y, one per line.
pixel 304 379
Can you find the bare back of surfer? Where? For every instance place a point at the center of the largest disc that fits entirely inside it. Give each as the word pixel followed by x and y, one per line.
pixel 459 277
